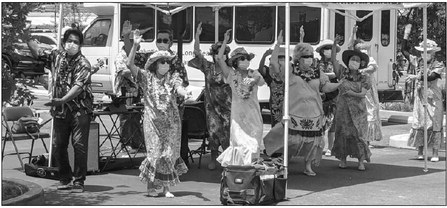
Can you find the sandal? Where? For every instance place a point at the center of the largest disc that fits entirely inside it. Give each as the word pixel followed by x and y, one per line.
pixel 361 167
pixel 434 159
pixel 309 173
pixel 342 165
pixel 152 193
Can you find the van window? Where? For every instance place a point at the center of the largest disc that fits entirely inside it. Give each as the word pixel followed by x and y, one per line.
pixel 307 17
pixel 140 18
pixel 255 24
pixel 179 22
pixel 97 34
pixel 206 16
pixel 365 28
pixel 385 28
pixel 340 26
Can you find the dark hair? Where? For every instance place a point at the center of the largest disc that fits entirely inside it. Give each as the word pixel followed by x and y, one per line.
pixel 167 31
pixel 76 32
pixel 153 67
pixel 323 49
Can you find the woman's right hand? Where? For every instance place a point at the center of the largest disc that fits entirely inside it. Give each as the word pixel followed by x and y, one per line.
pixel 137 37
pixel 407 29
pixel 127 28
pixel 280 38
pixel 227 35
pixel 354 29
pixel 199 29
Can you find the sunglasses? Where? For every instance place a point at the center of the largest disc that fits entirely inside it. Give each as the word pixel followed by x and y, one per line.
pixel 307 56
pixel 164 61
pixel 242 58
pixel 162 40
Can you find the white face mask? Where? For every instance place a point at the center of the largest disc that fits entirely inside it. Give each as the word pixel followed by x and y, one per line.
pixel 244 64
pixel 163 68
pixel 364 51
pixel 163 46
pixel 308 62
pixel 71 48
pixel 327 53
pixel 354 65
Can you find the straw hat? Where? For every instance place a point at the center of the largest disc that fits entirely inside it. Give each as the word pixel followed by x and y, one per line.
pixel 431 46
pixel 349 53
pixel 302 49
pixel 157 55
pixel 326 43
pixel 238 52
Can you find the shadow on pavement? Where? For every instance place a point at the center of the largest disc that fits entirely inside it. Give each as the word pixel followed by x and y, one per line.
pixel 190 193
pixel 55 197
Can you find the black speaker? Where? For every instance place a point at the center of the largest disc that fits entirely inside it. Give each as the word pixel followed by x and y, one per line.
pixel 93 149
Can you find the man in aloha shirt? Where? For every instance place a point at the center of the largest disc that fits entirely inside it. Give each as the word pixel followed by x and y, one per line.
pixel 72 105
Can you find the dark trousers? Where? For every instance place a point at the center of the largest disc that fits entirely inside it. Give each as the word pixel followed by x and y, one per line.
pixel 76 125
pixel 131 131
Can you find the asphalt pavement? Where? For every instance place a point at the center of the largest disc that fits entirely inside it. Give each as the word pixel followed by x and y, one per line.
pixel 393 177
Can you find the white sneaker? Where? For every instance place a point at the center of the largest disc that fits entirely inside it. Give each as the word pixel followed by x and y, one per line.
pixel 328 153
pixel 434 159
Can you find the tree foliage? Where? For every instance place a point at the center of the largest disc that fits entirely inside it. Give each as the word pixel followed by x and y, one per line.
pixel 436 26
pixel 13 23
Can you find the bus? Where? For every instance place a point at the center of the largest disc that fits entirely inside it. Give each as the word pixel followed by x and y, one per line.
pixel 254 27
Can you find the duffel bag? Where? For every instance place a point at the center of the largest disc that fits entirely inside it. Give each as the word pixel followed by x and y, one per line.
pixel 240 185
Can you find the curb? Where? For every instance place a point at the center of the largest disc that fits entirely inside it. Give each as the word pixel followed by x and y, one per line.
pixel 34 196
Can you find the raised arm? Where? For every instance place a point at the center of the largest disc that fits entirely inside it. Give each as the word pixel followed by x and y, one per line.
pixel 404 45
pixel 352 38
pixel 274 63
pixel 261 67
pixel 220 56
pixel 337 67
pixel 197 40
pixel 302 33
pixel 371 68
pixel 131 60
pixel 127 28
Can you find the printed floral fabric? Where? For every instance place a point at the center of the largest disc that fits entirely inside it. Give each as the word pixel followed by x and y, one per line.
pixel 76 71
pixel 374 132
pixel 162 130
pixel 328 98
pixel 276 97
pixel 351 122
pixel 434 108
pixel 246 125
pixel 120 80
pixel 217 103
pixel 305 102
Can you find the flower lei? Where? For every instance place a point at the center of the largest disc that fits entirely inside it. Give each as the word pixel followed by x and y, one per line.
pixel 308 75
pixel 349 76
pixel 244 86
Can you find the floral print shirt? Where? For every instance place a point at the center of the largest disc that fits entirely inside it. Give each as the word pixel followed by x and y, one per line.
pixel 66 74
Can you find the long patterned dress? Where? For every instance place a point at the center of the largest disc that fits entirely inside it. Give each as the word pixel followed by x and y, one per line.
pixel 217 103
pixel 162 131
pixel 246 123
pixel 351 122
pixel 307 118
pixel 434 109
pixel 276 100
pixel 329 100
pixel 374 132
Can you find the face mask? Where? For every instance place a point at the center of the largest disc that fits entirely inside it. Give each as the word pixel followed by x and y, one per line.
pixel 327 53
pixel 308 62
pixel 71 48
pixel 244 65
pixel 163 46
pixel 354 65
pixel 364 51
pixel 163 69
pixel 429 56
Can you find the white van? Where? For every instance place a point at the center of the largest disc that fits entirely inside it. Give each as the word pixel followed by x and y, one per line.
pixel 102 36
